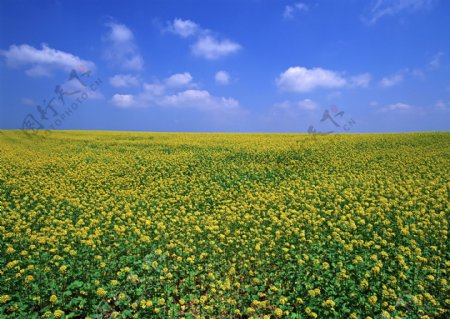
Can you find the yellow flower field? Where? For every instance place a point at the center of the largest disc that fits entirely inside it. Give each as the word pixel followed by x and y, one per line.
pixel 167 225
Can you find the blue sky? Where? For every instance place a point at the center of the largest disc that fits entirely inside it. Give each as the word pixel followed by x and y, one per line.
pixel 245 66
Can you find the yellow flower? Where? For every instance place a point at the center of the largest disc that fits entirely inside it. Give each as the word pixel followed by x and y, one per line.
pixel 58 313
pixel 63 268
pixel 29 278
pixel 278 312
pixel 53 299
pixel 101 292
pixel 329 303
pixel 4 298
pixel 364 284
pixel 373 299
pixel 161 301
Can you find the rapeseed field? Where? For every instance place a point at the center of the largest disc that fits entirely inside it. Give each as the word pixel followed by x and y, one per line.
pixel 179 225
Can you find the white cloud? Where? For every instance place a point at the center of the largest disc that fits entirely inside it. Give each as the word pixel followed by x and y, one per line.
pixel 172 92
pixel 179 79
pixel 382 8
pixel 154 89
pixel 306 104
pixel 207 45
pixel 290 10
pixel 300 79
pixel 397 107
pixel 391 80
pixel 361 80
pixel 123 100
pixel 42 62
pixel 222 77
pixel 183 28
pixel 436 60
pixel 124 80
pixel 38 71
pixel 121 50
pixel 201 99
pixel 210 48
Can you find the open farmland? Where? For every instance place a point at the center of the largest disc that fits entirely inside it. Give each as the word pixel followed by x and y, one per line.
pixel 167 225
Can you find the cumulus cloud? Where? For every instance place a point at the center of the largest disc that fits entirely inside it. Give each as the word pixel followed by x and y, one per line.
pixel 207 44
pixel 200 99
pixel 361 80
pixel 391 80
pixel 300 79
pixel 154 89
pixel 123 100
pixel 290 10
pixel 383 8
pixel 172 93
pixel 210 48
pixel 397 107
pixel 306 104
pixel 124 80
pixel 121 50
pixel 183 28
pixel 179 79
pixel 43 61
pixel 222 77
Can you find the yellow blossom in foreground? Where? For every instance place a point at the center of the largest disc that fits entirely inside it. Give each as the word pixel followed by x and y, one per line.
pixel 278 312
pixel 29 278
pixel 4 298
pixel 101 292
pixel 373 299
